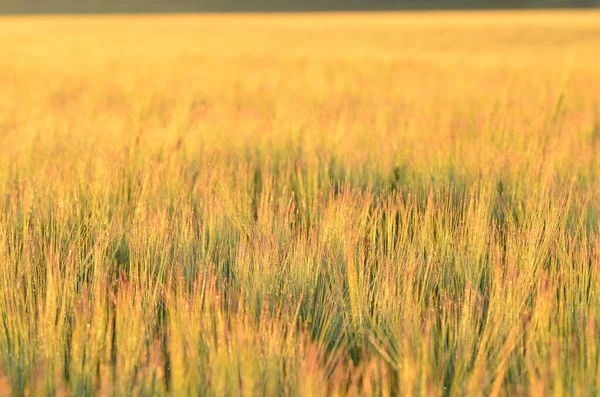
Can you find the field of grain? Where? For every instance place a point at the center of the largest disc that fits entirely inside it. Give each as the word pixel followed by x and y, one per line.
pixel 307 205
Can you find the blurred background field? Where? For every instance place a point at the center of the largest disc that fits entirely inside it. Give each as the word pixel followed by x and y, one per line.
pixel 190 6
pixel 334 204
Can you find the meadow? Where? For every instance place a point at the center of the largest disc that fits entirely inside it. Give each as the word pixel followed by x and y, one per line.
pixel 300 205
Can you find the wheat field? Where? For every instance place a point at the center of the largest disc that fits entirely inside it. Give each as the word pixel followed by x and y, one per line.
pixel 300 205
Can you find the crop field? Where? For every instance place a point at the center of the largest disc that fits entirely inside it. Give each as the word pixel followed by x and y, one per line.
pixel 300 205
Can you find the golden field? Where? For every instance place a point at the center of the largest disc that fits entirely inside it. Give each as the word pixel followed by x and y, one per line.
pixel 352 204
